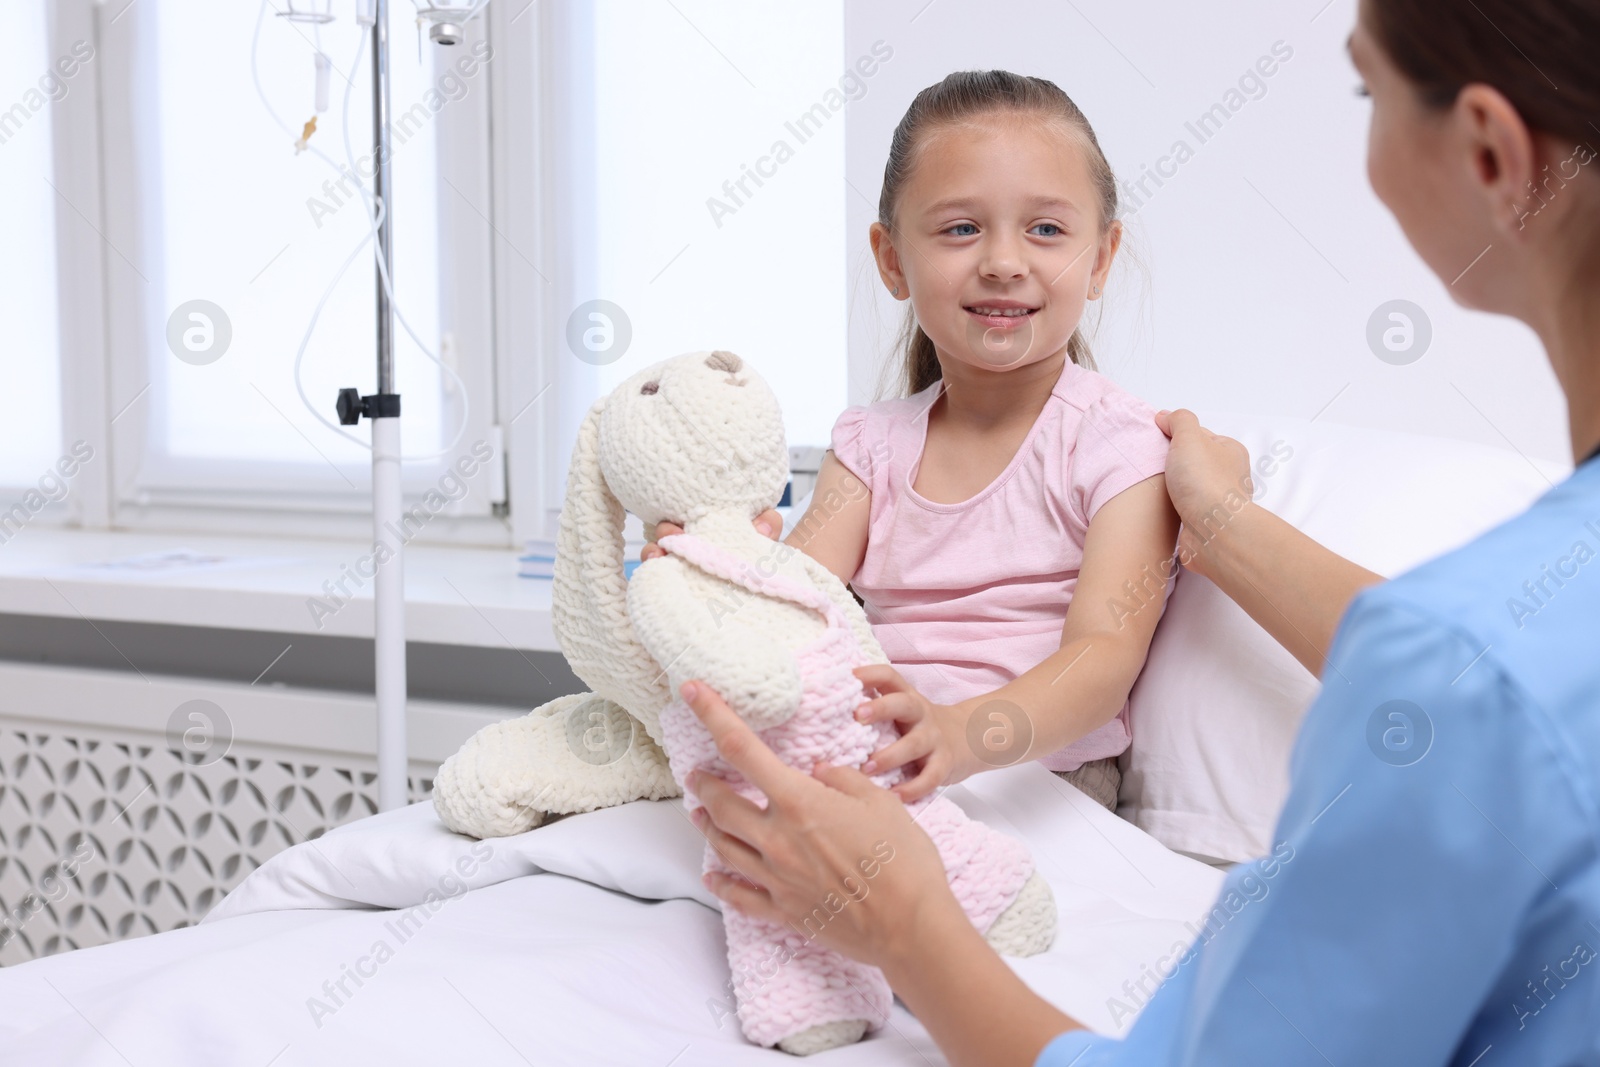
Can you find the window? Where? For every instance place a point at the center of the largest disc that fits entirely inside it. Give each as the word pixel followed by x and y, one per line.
pixel 720 196
pixel 30 403
pixel 267 266
pixel 625 120
pixel 611 151
pixel 236 236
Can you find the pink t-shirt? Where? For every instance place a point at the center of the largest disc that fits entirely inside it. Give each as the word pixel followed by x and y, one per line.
pixel 965 597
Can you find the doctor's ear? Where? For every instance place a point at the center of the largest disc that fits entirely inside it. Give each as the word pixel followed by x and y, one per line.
pixel 1502 153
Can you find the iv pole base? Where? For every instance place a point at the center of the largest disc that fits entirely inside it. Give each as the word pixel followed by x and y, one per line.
pixel 389 617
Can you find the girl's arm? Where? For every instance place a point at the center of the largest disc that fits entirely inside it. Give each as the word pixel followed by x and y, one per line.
pixel 1293 587
pixel 833 531
pixel 1122 582
pixel 1121 590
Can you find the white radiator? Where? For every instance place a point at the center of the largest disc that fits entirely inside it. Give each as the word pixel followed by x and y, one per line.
pixel 130 804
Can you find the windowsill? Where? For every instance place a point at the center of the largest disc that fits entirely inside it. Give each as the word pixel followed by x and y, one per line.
pixel 454 596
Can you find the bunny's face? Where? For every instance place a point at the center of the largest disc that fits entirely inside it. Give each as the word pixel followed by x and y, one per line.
pixel 691 435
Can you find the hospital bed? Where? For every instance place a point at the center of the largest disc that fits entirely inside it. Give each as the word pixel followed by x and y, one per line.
pixel 591 939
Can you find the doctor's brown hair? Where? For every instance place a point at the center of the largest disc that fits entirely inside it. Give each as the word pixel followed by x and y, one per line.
pixel 961 97
pixel 1539 54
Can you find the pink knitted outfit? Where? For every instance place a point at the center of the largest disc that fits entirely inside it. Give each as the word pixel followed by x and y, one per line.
pixel 784 981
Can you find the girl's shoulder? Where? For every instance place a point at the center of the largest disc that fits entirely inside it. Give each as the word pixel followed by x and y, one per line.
pixel 1084 390
pixel 1109 434
pixel 900 409
pixel 866 436
pixel 1095 405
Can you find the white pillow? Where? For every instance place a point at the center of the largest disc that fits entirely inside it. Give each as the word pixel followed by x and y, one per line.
pixel 1215 712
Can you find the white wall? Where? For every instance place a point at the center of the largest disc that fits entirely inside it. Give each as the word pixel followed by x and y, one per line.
pixel 1263 257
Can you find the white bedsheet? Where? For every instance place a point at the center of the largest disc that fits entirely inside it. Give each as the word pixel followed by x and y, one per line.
pixel 589 940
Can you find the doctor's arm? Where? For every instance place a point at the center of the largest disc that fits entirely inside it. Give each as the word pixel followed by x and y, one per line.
pixel 1351 943
pixel 1354 941
pixel 811 841
pixel 1293 587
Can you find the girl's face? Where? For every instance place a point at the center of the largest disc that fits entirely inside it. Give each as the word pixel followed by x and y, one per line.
pixel 997 240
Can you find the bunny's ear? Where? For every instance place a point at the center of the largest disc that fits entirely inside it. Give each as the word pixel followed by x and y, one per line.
pixel 589 604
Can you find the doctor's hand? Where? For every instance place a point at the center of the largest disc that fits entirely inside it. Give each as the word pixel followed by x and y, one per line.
pixel 1205 472
pixel 768 524
pixel 831 855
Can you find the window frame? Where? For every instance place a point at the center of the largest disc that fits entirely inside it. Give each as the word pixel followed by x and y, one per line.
pixel 80 266
pixel 528 252
pixel 543 157
pixel 282 499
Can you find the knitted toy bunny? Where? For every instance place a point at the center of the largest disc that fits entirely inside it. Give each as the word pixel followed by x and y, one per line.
pixel 699 440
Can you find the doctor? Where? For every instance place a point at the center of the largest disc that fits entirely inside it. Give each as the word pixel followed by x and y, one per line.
pixel 1442 905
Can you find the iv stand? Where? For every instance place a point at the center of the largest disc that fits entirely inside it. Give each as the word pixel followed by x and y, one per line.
pixel 389 589
pixel 383 410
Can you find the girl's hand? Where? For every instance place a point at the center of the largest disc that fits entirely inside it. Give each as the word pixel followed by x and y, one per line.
pixel 1205 472
pixel 832 855
pixel 769 524
pixel 933 735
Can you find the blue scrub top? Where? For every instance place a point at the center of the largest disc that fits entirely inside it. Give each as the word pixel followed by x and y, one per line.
pixel 1433 896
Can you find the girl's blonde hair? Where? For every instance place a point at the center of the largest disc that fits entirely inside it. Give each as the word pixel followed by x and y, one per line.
pixel 960 97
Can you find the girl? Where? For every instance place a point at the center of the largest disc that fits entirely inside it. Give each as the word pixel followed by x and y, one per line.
pixel 1005 524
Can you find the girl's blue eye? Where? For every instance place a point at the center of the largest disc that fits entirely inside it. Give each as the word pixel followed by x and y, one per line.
pixel 1054 230
pixel 962 229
